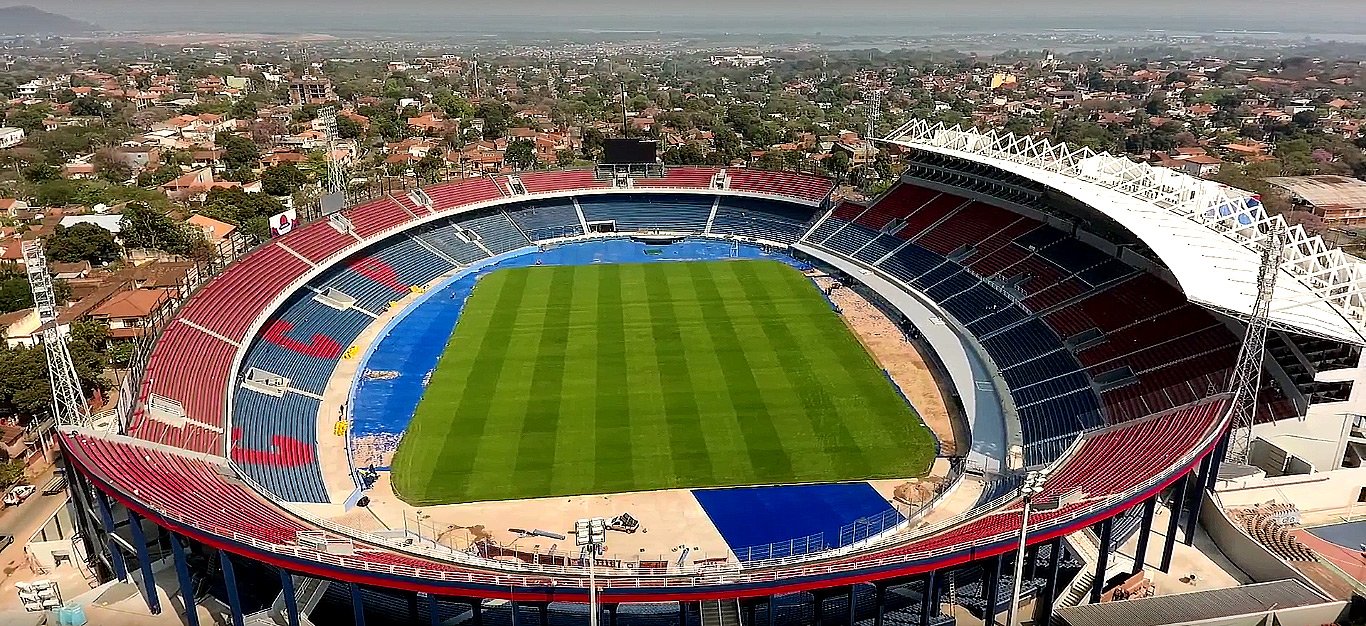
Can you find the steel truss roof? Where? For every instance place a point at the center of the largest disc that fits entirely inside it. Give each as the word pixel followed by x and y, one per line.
pixel 1205 232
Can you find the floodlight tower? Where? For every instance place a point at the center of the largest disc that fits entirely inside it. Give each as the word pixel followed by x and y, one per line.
pixel 591 537
pixel 335 188
pixel 68 402
pixel 1247 374
pixel 872 108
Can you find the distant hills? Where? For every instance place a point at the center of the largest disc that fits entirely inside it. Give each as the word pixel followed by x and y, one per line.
pixel 30 20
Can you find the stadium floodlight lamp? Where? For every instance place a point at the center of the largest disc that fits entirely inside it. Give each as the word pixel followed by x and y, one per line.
pixel 581 533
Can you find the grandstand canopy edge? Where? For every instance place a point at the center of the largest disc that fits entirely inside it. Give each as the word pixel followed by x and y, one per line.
pixel 1212 269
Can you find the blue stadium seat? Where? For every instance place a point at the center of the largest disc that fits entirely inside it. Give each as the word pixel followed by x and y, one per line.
pixel 761 219
pixel 548 220
pixel 258 419
pixel 650 212
pixel 497 232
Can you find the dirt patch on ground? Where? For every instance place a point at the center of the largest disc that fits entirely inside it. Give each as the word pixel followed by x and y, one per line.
pixel 899 357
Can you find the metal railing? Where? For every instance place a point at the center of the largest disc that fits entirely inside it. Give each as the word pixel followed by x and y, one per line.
pixel 520 574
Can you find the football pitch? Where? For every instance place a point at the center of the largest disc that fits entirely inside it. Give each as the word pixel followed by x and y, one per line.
pixel 568 380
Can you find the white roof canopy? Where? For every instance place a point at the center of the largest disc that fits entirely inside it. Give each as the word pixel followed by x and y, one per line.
pixel 1205 232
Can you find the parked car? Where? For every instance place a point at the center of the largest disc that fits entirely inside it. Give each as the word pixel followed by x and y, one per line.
pixel 18 493
pixel 5 540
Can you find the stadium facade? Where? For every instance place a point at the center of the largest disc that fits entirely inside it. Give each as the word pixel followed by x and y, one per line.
pixel 1092 306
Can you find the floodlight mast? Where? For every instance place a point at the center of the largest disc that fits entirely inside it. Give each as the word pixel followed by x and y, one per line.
pixel 591 537
pixel 68 401
pixel 1247 374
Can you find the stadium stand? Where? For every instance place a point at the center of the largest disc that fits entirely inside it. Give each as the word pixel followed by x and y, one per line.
pixel 685 177
pixel 812 189
pixel 547 220
pixel 496 232
pixel 459 193
pixel 759 219
pixel 565 180
pixel 377 216
pixel 1031 294
pixel 653 212
pixel 318 241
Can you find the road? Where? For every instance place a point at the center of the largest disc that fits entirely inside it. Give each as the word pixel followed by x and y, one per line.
pixel 22 522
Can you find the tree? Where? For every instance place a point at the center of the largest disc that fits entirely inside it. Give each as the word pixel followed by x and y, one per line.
pixel 29 118
pixel 520 154
pixel 838 162
pixel 348 128
pixel 250 212
pixel 41 173
pixel 160 176
pixel 430 166
pixel 110 167
pixel 12 472
pixel 82 242
pixel 88 107
pixel 144 226
pixel 495 116
pixel 283 179
pixel 238 152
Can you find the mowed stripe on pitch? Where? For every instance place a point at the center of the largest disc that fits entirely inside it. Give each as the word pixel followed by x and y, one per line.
pixel 609 378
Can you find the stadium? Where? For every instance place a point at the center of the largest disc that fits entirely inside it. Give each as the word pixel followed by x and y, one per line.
pixel 405 411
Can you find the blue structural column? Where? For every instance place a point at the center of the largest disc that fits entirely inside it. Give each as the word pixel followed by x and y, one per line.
pixel 881 596
pixel 230 583
pixel 768 612
pixel 290 596
pixel 1103 562
pixel 182 572
pixel 991 583
pixel 434 611
pixel 1145 528
pixel 1193 520
pixel 149 581
pixel 1043 603
pixel 115 553
pixel 357 606
pixel 1178 500
pixel 929 599
pixel 853 603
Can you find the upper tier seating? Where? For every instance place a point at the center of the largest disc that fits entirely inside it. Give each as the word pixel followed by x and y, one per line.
pixel 567 180
pixel 685 176
pixel 229 304
pixel 806 187
pixel 458 193
pixel 376 216
pixel 318 240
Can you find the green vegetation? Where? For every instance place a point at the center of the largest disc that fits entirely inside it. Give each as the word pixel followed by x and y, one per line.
pixel 611 378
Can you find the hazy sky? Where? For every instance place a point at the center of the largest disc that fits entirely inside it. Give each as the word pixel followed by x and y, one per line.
pixel 881 16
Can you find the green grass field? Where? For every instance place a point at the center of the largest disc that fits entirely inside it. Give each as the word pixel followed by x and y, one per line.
pixel 609 378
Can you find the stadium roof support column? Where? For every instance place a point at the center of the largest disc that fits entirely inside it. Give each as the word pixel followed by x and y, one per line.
pixel 149 581
pixel 182 572
pixel 1043 603
pixel 1177 501
pixel 1145 529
